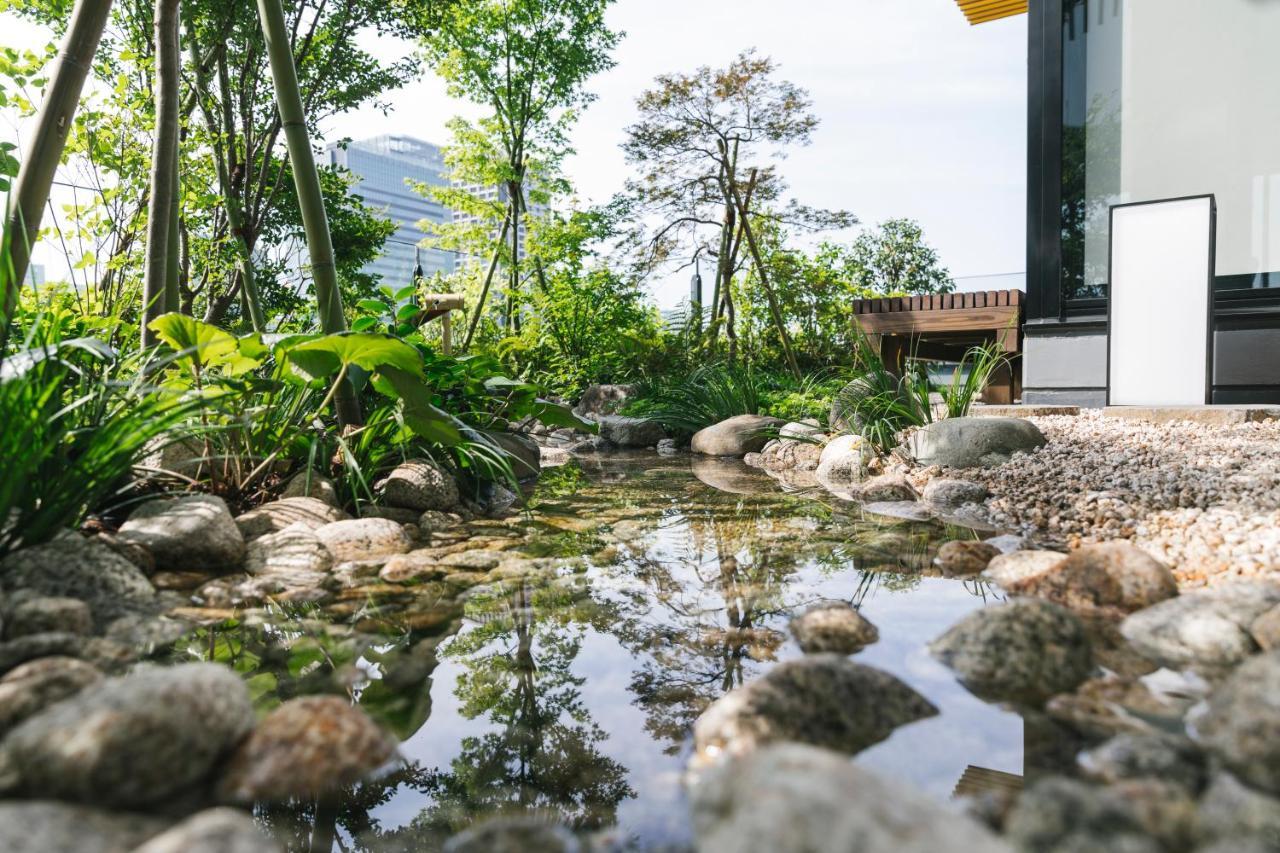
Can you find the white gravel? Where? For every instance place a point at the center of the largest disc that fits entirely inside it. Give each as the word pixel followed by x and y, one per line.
pixel 1205 499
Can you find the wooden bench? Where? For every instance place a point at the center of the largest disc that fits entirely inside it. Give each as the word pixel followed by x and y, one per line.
pixel 942 327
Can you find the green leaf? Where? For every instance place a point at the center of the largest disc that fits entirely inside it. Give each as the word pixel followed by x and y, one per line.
pixel 420 415
pixel 364 324
pixel 325 356
pixel 406 292
pixel 406 313
pixel 199 341
pixel 374 306
pixel 554 414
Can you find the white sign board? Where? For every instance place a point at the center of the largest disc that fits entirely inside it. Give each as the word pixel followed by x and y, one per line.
pixel 1160 303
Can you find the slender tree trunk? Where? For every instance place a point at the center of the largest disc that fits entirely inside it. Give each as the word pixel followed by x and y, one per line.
pixel 163 168
pixel 315 221
pixel 764 278
pixel 30 191
pixel 173 254
pixel 488 280
pixel 513 310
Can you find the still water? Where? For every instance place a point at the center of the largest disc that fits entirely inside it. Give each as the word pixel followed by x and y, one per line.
pixel 567 686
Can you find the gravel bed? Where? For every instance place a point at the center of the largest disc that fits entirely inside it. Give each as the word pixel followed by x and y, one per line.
pixel 1205 499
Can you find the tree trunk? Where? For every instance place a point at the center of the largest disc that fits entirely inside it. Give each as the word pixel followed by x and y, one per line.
pixel 163 168
pixel 764 278
pixel 315 221
pixel 513 310
pixel 173 255
pixel 30 191
pixel 488 280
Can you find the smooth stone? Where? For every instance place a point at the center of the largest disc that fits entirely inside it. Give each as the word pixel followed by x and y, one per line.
pixel 1151 755
pixel 311 484
pixel 294 550
pixel 1241 725
pixel 31 646
pixel 420 484
pixel 886 488
pixel 1231 812
pixel 786 455
pixel 974 442
pixel 1007 569
pixel 514 835
pixel 793 798
pixel 30 688
pixel 843 460
pixel 1059 814
pixel 192 532
pixel 731 476
pixel 824 700
pixel 1202 628
pixel 364 539
pixel 309 748
pixel 961 557
pixel 135 553
pixel 902 510
pixel 46 826
pixel 44 614
pixel 833 627
pixel 1265 630
pixel 475 561
pixel 630 432
pixel 416 565
pixel 219 830
pixel 599 400
pixel 135 740
pixel 434 521
pixel 1022 651
pixel 274 516
pixel 1008 543
pixel 802 430
pixel 526 456
pixel 953 494
pixel 1113 577
pixel 736 436
pixel 76 567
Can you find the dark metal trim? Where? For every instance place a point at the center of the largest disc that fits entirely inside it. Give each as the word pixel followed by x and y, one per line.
pixel 1209 277
pixel 1044 160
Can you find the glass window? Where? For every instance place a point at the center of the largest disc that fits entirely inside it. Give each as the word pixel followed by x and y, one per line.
pixel 1169 98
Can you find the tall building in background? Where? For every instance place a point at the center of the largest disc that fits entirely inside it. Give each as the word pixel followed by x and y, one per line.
pixel 500 195
pixel 383 164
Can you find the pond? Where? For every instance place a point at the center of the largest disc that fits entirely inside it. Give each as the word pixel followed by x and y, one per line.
pixel 654 585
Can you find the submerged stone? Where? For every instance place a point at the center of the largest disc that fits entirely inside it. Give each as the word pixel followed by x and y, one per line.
pixel 833 627
pixel 961 557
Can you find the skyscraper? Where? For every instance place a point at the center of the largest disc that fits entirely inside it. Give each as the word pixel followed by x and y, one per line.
pixel 383 164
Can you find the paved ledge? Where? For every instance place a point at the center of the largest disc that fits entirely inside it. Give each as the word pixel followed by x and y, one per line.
pixel 1023 411
pixel 1207 415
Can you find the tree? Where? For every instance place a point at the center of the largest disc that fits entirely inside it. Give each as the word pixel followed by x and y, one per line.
pixel 527 61
pixel 894 258
pixel 708 146
pixel 161 274
pixel 44 152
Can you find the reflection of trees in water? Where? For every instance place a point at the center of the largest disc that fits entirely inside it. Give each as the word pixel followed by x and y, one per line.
pixel 544 753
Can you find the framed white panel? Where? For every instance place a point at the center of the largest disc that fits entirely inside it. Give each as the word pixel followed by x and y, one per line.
pixel 1159 348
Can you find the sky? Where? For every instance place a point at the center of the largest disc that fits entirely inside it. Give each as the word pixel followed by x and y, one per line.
pixel 922 116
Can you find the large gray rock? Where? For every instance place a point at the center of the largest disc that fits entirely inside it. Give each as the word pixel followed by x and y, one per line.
pixel 45 826
pixel 526 455
pixel 792 798
pixel 30 688
pixel 1147 755
pixel 825 700
pixel 309 483
pixel 1024 651
pixel 364 539
pixel 1203 628
pixel 293 552
pixel 1058 815
pixel 631 432
pixel 951 495
pixel 842 460
pixel 1113 578
pixel 193 532
pixel 42 613
pixel 220 830
pixel 309 748
pixel 833 627
pixel 600 400
pixel 275 516
pixel 1241 725
pixel 1236 815
pixel 737 436
pixel 974 442
pixel 132 741
pixel 80 568
pixel 1007 569
pixel 420 484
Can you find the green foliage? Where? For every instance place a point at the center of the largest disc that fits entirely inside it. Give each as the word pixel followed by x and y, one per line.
pixel 706 396
pixel 894 258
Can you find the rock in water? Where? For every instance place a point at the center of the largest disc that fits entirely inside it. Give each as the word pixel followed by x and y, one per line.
pixel 526 455
pixel 1241 725
pixel 792 798
pixel 43 826
pixel 833 627
pixel 1203 628
pixel 1112 578
pixel 79 568
pixel 842 460
pixel 420 484
pixel 274 516
pixel 1023 651
pixel 132 741
pixel 1010 568
pixel 602 400
pixel 887 488
pixel 193 532
pixel 953 494
pixel 737 436
pixel 960 558
pixel 1266 629
pixel 212 831
pixel 34 686
pixel 974 442
pixel 631 432
pixel 364 539
pixel 825 700
pixel 309 748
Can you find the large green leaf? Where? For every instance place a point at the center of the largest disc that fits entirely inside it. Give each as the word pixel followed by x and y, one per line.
pixel 323 357
pixel 420 415
pixel 207 345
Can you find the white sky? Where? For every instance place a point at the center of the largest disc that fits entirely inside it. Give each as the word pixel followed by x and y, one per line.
pixel 922 116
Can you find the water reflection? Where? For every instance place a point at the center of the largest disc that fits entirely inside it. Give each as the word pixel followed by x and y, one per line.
pixel 569 690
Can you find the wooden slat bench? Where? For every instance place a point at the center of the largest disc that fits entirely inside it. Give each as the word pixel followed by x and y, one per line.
pixel 942 327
